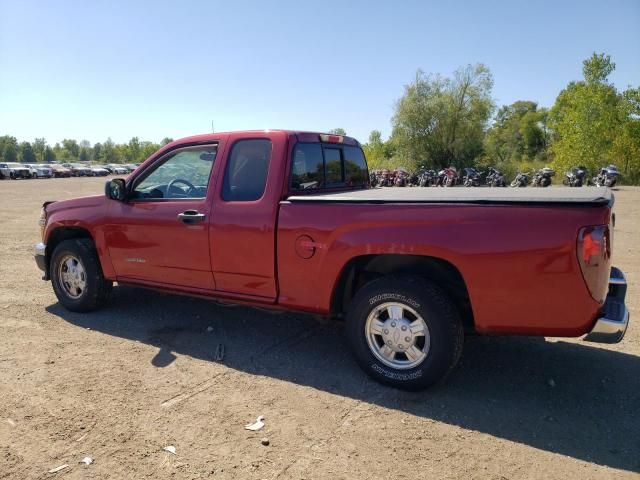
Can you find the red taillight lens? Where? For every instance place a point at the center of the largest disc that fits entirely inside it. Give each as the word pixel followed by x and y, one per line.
pixel 592 245
pixel 594 254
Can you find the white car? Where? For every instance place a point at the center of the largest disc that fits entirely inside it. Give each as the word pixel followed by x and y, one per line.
pixel 14 170
pixel 40 171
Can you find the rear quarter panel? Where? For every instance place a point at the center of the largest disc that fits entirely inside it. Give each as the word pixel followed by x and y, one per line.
pixel 519 262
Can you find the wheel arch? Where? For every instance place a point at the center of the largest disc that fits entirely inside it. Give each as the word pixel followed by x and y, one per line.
pixel 360 270
pixel 59 235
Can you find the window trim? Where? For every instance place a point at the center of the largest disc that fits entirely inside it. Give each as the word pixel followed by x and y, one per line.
pixel 226 169
pixel 158 162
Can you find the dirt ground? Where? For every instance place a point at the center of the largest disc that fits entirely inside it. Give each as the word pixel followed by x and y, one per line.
pixel 121 384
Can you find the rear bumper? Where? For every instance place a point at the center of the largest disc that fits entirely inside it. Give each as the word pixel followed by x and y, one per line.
pixel 614 319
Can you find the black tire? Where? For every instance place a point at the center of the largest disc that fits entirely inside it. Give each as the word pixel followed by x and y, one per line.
pixel 97 289
pixel 445 330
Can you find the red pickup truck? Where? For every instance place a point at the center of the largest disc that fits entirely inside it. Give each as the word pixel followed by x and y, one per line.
pixel 288 220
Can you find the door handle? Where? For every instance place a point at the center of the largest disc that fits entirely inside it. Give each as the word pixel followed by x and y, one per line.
pixel 191 216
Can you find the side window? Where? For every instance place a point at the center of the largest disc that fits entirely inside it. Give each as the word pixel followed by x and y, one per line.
pixel 355 167
pixel 308 167
pixel 318 166
pixel 246 175
pixel 184 174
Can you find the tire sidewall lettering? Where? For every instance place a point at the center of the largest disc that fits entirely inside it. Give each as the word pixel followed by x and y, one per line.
pixel 393 296
pixel 396 375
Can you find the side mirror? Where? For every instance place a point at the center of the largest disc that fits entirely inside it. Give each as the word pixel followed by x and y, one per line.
pixel 116 189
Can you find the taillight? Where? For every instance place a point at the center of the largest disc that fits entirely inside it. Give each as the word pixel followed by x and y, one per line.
pixel 594 254
pixel 331 138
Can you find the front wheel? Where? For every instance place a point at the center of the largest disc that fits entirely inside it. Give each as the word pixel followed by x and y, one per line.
pixel 76 276
pixel 405 332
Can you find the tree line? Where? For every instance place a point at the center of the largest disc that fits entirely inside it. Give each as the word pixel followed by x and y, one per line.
pixel 38 151
pixel 441 121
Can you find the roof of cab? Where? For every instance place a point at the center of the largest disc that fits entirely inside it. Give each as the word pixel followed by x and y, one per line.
pixel 301 134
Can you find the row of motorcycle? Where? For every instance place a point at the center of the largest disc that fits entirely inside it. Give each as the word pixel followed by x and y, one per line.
pixel 471 177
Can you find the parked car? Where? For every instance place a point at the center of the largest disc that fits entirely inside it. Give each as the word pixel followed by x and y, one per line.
pixel 409 269
pixel 59 171
pixel 98 171
pixel 40 170
pixel 78 169
pixel 13 170
pixel 116 169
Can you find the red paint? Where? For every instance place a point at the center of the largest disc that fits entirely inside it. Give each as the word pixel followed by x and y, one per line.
pixel 519 263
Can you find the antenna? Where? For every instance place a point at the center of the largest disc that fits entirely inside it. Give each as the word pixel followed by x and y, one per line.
pixel 212 129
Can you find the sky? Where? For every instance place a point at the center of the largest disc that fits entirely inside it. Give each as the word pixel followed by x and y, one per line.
pixel 155 69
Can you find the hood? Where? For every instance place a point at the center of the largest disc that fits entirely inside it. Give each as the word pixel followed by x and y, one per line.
pixel 81 202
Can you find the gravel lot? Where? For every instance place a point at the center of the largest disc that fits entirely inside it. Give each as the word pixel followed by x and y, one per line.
pixel 120 384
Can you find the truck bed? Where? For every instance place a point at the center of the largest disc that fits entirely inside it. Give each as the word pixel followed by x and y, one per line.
pixel 586 196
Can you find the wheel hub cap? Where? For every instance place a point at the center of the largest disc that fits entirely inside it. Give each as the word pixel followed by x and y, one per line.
pixel 397 335
pixel 72 277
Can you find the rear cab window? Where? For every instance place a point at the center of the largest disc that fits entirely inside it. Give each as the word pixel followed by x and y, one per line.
pixel 319 166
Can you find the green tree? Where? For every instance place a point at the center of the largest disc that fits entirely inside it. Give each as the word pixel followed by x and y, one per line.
pixel 84 155
pixel 133 153
pixel 379 153
pixel 8 148
pixel 441 121
pixel 597 68
pixel 147 149
pixel 337 131
pixel 72 148
pixel 594 124
pixel 49 155
pixel 626 146
pixel 96 154
pixel 26 153
pixel 518 133
pixel 166 141
pixel 39 145
pixel 109 153
pixel 85 151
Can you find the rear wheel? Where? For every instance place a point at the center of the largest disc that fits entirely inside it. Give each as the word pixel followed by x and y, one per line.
pixel 76 276
pixel 405 332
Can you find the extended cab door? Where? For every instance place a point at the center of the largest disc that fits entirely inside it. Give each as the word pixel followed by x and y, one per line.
pixel 160 234
pixel 245 209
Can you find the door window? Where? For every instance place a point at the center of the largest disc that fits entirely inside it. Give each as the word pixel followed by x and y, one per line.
pixel 246 176
pixel 184 174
